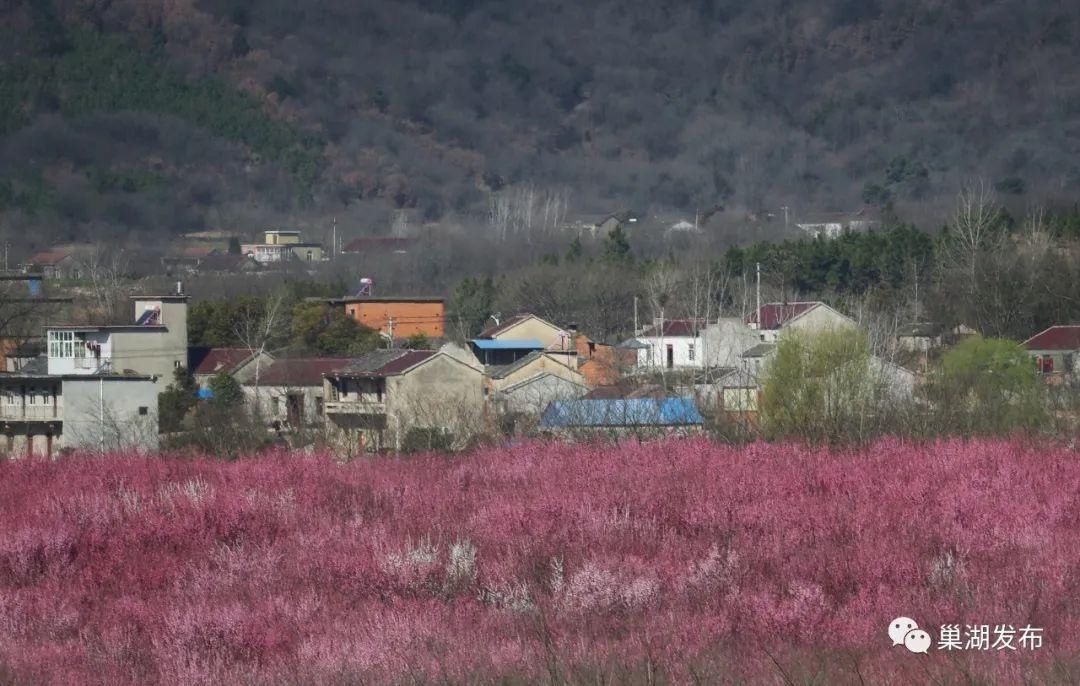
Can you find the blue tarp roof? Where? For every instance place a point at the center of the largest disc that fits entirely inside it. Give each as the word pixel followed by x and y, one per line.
pixel 622 412
pixel 204 393
pixel 508 344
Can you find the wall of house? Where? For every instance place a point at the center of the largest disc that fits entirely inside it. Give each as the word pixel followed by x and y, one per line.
pixel 687 352
pixel 128 406
pixel 411 317
pixel 308 253
pixel 544 363
pixel 273 405
pixel 533 395
pixel 534 329
pixel 442 392
pixel 819 319
pixel 726 341
pixel 1063 361
pixel 154 352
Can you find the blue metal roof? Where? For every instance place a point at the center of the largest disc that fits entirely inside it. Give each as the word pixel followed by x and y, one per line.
pixel 622 412
pixel 508 344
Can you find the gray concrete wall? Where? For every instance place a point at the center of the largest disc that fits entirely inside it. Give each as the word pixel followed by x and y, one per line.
pixel 117 401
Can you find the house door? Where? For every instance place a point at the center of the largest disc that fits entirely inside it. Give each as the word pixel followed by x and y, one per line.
pixel 670 355
pixel 294 409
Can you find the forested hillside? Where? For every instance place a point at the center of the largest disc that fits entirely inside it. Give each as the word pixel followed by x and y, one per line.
pixel 121 116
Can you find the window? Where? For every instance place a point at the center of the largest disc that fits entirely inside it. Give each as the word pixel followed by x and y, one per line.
pixel 61 344
pixel 690 352
pixel 318 406
pixel 276 405
pixel 33 396
pixel 143 410
pixel 177 364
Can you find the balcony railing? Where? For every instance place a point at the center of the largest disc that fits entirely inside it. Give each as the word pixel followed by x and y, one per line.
pixel 10 412
pixel 354 407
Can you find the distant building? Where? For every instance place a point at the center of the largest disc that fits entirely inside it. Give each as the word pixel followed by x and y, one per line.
pixel 671 344
pixel 398 318
pixel 55 263
pixel 832 225
pixel 379 245
pixel 1056 351
pixel 283 245
pixel 920 337
pixel 523 334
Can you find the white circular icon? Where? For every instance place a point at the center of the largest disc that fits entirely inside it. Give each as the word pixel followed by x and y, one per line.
pixel 917 641
pixel 899 627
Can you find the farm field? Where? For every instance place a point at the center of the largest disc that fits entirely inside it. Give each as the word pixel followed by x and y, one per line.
pixel 668 562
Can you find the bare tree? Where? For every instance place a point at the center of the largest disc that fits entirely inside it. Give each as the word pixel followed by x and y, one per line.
pixel 106 268
pixel 258 328
pixel 974 222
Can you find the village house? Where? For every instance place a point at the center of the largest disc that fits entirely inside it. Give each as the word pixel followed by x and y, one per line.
pixel 1056 352
pixel 807 316
pixel 43 413
pixel 520 335
pixel 397 317
pixel 600 363
pixel 527 386
pixel 671 344
pixel 374 402
pixel 55 263
pixel 283 245
pixel 241 364
pixel 154 345
pixel 290 393
pixel 379 246
pixel 921 337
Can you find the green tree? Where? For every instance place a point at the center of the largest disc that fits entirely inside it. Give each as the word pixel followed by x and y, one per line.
pixel 988 386
pixel 227 392
pixel 472 304
pixel 824 388
pixel 234 245
pixel 617 245
pixel 418 341
pixel 176 401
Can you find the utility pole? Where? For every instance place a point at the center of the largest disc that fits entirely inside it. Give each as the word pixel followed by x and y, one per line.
pixel 785 208
pixel 390 330
pixel 636 329
pixel 757 312
pixel 101 412
pixel 333 241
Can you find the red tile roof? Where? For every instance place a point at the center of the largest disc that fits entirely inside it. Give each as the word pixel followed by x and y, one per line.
pixel 1062 337
pixel 299 371
pixel 380 363
pixel 775 315
pixel 677 327
pixel 203 360
pixel 49 257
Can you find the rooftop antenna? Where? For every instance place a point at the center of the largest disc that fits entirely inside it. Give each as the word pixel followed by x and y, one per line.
pixel 496 317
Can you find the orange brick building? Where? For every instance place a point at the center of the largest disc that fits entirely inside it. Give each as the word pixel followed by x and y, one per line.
pixel 408 316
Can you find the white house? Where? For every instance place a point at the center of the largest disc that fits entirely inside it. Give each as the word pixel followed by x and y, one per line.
pixel 671 344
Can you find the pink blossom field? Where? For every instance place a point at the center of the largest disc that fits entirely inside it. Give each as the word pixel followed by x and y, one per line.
pixel 671 562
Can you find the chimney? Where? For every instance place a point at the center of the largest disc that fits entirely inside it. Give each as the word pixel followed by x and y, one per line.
pixel 179 287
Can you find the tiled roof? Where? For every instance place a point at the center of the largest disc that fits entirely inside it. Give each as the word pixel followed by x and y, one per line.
pixel 380 363
pixel 49 257
pixel 379 244
pixel 300 371
pixel 493 331
pixel 759 350
pixel 675 328
pixel 1061 337
pixel 204 360
pixel 775 315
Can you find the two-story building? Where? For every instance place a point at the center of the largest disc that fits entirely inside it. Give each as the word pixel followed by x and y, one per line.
pixel 154 345
pixel 397 317
pixel 521 335
pixel 283 245
pixel 375 400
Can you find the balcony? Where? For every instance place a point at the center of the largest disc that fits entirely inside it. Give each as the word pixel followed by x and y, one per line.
pixel 355 407
pixel 30 412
